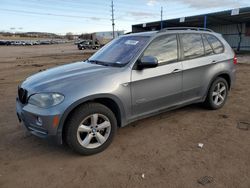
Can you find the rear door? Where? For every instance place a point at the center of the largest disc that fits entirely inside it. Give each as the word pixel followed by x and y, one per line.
pixel 195 65
pixel 200 53
pixel 159 87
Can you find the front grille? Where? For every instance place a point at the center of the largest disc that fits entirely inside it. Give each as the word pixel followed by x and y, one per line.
pixel 22 95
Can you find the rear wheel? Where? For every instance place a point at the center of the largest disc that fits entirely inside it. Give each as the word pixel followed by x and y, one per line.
pixel 217 94
pixel 91 128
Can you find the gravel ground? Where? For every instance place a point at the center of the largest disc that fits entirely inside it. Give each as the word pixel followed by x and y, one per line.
pixel 161 151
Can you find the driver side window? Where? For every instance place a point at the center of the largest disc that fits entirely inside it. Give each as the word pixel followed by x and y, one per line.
pixel 164 48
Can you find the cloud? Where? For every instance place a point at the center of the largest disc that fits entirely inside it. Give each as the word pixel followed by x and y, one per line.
pixel 141 14
pixel 95 18
pixel 200 4
pixel 210 3
pixel 152 2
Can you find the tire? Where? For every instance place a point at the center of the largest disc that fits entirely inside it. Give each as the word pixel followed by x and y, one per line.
pixel 217 94
pixel 90 129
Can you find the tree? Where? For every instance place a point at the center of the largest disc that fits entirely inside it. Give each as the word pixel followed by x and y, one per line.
pixel 69 36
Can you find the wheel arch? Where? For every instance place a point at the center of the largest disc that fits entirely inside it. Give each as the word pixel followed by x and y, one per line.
pixel 227 78
pixel 224 75
pixel 110 101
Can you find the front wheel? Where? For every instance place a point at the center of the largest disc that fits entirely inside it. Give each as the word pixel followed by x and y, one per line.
pixel 91 128
pixel 217 94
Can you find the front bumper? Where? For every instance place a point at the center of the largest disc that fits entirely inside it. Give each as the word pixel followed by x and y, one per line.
pixel 47 127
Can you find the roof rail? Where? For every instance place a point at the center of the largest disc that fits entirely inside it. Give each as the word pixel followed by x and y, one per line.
pixel 127 33
pixel 185 28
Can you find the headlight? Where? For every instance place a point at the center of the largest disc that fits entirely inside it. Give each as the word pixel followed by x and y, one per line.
pixel 45 100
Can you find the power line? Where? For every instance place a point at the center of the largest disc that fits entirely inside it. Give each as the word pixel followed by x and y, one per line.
pixel 53 8
pixel 122 5
pixel 61 20
pixel 39 8
pixel 86 8
pixel 123 14
pixel 94 4
pixel 52 14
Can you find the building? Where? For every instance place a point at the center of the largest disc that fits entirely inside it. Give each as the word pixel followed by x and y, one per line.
pixel 234 25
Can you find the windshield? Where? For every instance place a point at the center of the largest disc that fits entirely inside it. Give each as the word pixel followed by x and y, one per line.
pixel 120 51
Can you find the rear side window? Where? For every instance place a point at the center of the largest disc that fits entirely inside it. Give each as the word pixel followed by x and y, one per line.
pixel 164 48
pixel 192 45
pixel 215 43
pixel 207 46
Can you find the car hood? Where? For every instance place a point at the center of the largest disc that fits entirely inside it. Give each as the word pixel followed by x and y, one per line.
pixel 55 79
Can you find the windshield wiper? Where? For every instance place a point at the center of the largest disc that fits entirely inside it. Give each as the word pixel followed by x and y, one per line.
pixel 104 63
pixel 98 62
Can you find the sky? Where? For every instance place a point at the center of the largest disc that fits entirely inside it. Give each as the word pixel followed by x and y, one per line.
pixel 85 16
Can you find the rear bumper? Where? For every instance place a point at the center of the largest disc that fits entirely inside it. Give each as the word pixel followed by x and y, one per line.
pixel 28 115
pixel 233 77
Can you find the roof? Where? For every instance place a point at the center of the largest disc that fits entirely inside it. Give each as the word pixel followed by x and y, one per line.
pixel 213 19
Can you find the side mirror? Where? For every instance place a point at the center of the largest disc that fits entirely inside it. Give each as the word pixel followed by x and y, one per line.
pixel 147 62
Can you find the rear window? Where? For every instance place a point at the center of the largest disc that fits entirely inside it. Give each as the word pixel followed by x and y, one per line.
pixel 215 43
pixel 192 45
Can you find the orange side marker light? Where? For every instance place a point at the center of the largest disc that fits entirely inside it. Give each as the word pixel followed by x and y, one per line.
pixel 55 121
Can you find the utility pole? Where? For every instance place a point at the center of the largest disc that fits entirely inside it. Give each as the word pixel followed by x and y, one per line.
pixel 161 17
pixel 113 20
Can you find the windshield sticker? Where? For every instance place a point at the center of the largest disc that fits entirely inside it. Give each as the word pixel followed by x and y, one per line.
pixel 131 42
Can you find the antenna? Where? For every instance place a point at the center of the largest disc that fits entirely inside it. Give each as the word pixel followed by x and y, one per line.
pixel 113 20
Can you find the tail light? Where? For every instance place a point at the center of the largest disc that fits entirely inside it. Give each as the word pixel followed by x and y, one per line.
pixel 235 60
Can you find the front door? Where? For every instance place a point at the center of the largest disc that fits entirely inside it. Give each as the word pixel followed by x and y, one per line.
pixel 160 87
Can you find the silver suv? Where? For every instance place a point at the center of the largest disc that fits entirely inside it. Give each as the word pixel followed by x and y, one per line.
pixel 132 77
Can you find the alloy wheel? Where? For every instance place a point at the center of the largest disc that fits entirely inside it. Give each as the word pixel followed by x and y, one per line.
pixel 93 131
pixel 219 93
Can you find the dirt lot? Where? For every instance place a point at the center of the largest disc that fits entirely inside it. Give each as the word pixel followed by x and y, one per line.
pixel 163 148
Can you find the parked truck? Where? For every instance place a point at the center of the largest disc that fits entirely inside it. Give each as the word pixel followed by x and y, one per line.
pixel 88 44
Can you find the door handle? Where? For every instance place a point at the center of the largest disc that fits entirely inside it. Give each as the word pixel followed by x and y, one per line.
pixel 125 84
pixel 176 70
pixel 214 62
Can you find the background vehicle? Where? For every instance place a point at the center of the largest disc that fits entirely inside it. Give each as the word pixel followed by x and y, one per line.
pixel 18 43
pixel 2 42
pixel 88 44
pixel 29 43
pixel 133 77
pixel 44 42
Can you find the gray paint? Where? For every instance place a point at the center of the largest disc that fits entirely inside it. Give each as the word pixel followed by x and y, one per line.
pixel 138 93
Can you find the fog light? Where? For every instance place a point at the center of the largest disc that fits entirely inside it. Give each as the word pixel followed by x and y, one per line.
pixel 39 121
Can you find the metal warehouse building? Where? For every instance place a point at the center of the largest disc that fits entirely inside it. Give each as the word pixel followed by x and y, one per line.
pixel 234 25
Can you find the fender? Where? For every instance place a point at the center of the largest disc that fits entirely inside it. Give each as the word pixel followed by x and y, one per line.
pixel 83 100
pixel 214 77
